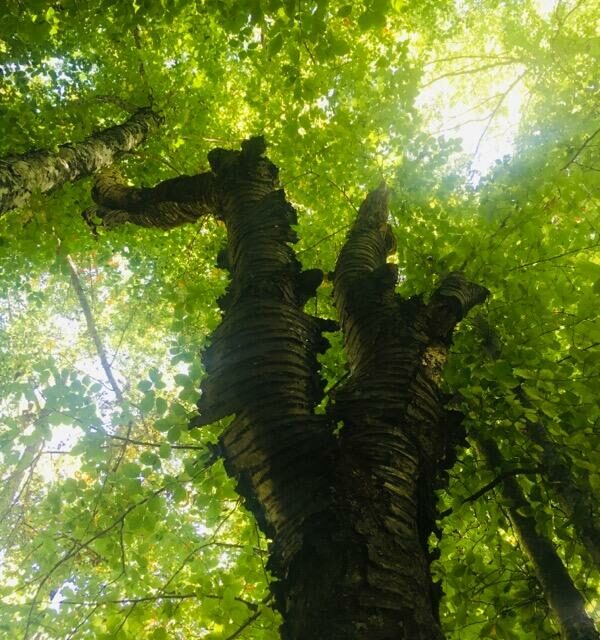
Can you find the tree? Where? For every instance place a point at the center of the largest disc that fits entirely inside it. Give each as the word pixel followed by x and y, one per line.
pixel 337 452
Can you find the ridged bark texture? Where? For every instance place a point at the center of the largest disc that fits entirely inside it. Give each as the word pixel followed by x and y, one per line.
pixel 349 516
pixel 397 438
pixel 169 204
pixel 262 367
pixel 44 171
pixel 576 501
pixel 565 601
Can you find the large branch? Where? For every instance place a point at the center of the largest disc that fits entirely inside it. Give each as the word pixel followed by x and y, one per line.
pixel 167 205
pixel 44 171
pixel 564 599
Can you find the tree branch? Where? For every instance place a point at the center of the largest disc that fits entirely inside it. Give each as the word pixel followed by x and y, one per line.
pixel 169 204
pixel 91 326
pixel 581 148
pixel 44 171
pixel 492 485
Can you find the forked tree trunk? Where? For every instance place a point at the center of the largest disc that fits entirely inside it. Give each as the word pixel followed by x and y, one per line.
pixel 347 498
pixel 44 171
pixel 566 603
pixel 349 516
pixel 349 513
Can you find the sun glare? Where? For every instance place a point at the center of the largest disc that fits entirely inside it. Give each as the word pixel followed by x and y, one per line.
pixel 485 125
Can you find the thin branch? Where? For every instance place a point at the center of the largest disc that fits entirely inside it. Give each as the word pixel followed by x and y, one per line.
pixel 492 485
pixel 251 619
pixel 155 445
pixel 471 57
pixel 91 326
pixel 581 148
pixel 493 114
pixel 125 105
pixel 463 71
pixel 559 255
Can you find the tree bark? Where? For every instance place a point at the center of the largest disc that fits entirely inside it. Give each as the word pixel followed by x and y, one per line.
pixel 169 204
pixel 349 516
pixel 564 599
pixel 44 171
pixel 396 438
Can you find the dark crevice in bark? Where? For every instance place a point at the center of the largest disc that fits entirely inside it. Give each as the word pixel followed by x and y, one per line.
pixel 565 601
pixel 44 171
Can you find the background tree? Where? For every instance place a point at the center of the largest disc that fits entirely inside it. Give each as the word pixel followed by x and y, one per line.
pixel 117 520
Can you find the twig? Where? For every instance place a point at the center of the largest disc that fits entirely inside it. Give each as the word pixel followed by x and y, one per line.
pixel 581 148
pixel 463 71
pixel 251 619
pixel 559 255
pixel 492 115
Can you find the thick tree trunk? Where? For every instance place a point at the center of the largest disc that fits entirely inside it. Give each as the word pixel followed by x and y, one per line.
pixel 349 514
pixel 576 501
pixel 564 599
pixel 44 171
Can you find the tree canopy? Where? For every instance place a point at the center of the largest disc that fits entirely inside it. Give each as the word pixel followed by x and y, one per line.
pixel 117 520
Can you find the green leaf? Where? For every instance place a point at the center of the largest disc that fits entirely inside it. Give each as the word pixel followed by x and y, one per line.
pixel 130 469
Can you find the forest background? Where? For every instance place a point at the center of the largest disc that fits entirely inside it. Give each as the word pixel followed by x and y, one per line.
pixel 116 521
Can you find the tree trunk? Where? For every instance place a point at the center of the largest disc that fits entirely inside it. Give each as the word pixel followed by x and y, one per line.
pixel 564 599
pixel 576 501
pixel 349 511
pixel 44 171
pixel 349 516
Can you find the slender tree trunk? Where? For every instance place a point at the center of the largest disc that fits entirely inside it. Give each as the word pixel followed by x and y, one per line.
pixel 576 501
pixel 91 326
pixel 564 599
pixel 44 171
pixel 575 498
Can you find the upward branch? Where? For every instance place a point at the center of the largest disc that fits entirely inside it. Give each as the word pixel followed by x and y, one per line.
pixel 43 171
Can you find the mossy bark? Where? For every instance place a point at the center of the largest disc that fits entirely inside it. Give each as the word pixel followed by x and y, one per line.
pixel 44 171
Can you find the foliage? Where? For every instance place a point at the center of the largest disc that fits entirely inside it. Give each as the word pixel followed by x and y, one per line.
pixel 116 521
